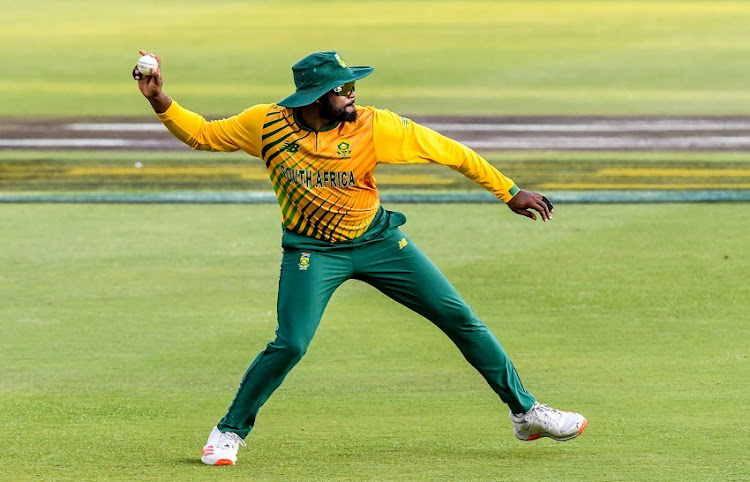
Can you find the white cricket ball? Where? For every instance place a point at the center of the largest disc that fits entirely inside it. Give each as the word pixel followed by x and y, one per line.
pixel 146 63
pixel 138 165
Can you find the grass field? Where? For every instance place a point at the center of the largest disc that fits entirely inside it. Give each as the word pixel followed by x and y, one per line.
pixel 126 330
pixel 441 57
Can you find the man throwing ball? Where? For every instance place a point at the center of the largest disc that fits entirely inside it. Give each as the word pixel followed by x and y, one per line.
pixel 321 150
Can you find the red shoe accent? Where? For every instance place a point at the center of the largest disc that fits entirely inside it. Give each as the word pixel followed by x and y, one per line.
pixel 583 426
pixel 533 436
pixel 224 462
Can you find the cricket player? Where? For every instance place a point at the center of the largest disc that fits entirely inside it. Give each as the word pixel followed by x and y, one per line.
pixel 321 151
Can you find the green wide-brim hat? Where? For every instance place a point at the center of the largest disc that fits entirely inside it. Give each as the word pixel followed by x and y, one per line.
pixel 319 73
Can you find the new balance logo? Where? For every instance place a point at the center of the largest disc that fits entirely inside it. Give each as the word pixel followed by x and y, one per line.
pixel 290 146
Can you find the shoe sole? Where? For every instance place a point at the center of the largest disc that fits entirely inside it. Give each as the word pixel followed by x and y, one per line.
pixel 537 436
pixel 219 462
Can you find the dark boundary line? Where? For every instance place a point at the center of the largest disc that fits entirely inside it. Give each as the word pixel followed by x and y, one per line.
pixel 249 197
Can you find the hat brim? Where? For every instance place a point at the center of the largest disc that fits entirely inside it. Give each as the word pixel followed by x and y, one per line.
pixel 308 96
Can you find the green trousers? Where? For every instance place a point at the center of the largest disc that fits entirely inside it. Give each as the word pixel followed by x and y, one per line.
pixel 385 258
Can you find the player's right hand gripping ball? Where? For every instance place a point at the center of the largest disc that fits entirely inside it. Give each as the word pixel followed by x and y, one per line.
pixel 144 66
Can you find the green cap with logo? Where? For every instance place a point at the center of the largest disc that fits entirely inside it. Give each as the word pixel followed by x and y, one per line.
pixel 319 73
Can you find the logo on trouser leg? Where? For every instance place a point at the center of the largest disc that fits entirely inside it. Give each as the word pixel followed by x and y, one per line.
pixel 304 261
pixel 402 244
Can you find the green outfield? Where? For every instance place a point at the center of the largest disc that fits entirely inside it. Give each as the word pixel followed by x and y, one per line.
pixel 444 57
pixel 125 330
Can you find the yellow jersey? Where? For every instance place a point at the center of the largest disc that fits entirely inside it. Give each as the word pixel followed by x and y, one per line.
pixel 324 181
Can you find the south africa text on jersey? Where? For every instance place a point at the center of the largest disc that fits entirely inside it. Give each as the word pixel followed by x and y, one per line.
pixel 312 179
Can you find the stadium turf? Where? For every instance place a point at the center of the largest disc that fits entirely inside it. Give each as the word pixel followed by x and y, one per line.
pixel 125 330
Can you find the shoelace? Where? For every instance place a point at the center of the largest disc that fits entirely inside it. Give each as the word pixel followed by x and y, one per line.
pixel 545 414
pixel 229 440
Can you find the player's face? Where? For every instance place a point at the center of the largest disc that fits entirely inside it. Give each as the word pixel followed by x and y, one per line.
pixel 338 108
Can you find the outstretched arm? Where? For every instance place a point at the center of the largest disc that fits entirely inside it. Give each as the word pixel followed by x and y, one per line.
pixel 242 131
pixel 151 86
pixel 401 141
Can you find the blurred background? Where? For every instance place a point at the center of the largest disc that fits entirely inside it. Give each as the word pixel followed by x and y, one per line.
pixel 593 101
pixel 431 57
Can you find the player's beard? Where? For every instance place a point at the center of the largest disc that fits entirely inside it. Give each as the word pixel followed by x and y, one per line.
pixel 334 114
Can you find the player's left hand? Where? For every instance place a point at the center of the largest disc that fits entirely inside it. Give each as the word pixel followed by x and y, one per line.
pixel 525 201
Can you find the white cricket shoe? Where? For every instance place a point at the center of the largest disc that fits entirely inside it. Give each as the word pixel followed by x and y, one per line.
pixel 545 421
pixel 221 448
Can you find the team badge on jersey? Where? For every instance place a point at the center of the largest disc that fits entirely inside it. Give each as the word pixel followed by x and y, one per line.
pixel 344 150
pixel 304 261
pixel 402 244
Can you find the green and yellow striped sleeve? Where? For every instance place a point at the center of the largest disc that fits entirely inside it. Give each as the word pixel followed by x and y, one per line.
pixel 400 141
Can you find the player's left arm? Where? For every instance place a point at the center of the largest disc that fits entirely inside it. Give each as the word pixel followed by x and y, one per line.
pixel 399 141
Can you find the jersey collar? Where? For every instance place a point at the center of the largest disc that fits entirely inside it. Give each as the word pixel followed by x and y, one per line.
pixel 325 128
